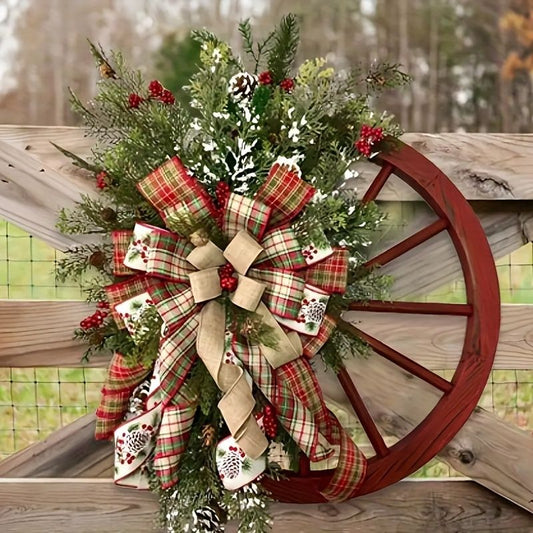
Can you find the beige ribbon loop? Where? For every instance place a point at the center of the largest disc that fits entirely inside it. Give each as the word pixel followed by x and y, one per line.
pixel 238 402
pixel 207 256
pixel 248 293
pixel 205 285
pixel 287 349
pixel 242 251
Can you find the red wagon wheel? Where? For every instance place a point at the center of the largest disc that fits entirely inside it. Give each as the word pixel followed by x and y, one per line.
pixel 482 311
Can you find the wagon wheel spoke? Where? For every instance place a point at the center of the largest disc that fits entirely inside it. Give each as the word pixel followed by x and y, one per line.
pixel 418 308
pixel 408 244
pixel 399 359
pixel 365 418
pixel 378 183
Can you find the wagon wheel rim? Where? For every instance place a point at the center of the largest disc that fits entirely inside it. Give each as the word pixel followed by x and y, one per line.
pixel 460 395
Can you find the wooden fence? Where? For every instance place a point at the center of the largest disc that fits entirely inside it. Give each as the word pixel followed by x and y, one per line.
pixel 63 483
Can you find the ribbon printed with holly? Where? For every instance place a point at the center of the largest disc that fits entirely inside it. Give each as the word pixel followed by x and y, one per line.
pixel 191 281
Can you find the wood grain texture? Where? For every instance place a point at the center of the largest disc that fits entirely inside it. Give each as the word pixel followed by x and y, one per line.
pixel 487 449
pixel 70 451
pixel 483 166
pixel 40 333
pixel 85 506
pixel 436 341
pixel 31 194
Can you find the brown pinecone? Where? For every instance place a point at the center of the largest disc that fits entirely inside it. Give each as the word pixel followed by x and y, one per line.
pixel 208 434
pixel 97 259
pixel 108 214
pixel 241 86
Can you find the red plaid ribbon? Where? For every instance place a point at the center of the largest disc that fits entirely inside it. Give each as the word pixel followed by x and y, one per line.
pixel 284 290
pixel 285 192
pixel 121 241
pixel 166 258
pixel 172 439
pixel 171 186
pixel 176 357
pixel 291 413
pixel 282 249
pixel 124 290
pixel 245 213
pixel 174 302
pixel 350 471
pixel 312 345
pixel 120 383
pixel 331 274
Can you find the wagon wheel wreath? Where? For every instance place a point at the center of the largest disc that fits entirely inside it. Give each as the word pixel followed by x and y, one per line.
pixel 231 244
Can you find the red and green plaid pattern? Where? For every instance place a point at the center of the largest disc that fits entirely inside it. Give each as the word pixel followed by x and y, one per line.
pixel 174 302
pixel 331 274
pixel 304 384
pixel 282 249
pixel 285 192
pixel 291 413
pixel 124 290
pixel 350 471
pixel 284 290
pixel 121 241
pixel 311 345
pixel 243 213
pixel 120 382
pixel 166 258
pixel 172 439
pixel 170 185
pixel 176 356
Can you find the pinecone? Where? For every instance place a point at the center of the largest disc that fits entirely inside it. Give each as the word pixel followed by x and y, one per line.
pixel 108 214
pixel 137 401
pixel 229 465
pixel 208 434
pixel 97 259
pixel 136 441
pixel 205 520
pixel 314 311
pixel 241 86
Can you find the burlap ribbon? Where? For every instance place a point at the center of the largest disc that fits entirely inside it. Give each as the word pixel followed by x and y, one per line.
pixel 238 403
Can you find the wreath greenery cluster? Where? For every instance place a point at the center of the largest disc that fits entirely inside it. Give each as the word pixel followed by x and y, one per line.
pixel 242 116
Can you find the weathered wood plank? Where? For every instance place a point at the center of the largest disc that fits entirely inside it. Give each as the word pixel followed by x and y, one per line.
pixel 487 449
pixel 436 341
pixel 434 263
pixel 32 193
pixel 482 166
pixel 39 333
pixel 63 506
pixel 70 451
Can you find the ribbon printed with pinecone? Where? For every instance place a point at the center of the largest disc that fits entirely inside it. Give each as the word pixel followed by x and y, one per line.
pixel 231 243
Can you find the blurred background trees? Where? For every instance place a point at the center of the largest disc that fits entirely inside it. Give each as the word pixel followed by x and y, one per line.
pixel 471 60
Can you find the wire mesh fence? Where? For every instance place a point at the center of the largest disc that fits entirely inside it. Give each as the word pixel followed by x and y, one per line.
pixel 35 402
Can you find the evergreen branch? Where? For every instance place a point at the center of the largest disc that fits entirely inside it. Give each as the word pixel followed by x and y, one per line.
pixel 282 52
pixel 77 160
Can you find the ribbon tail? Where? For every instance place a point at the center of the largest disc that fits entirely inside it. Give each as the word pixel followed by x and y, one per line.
pixel 120 382
pixel 238 402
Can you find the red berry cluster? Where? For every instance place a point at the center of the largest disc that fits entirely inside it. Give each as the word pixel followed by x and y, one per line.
pixel 134 101
pixel 97 318
pixel 227 281
pixel 287 85
pixel 156 91
pixel 222 193
pixel 101 180
pixel 270 423
pixel 367 138
pixel 265 78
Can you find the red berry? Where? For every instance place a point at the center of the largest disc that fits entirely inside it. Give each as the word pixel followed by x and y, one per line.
pixel 101 180
pixel 134 101
pixel 156 89
pixel 167 97
pixel 287 85
pixel 265 78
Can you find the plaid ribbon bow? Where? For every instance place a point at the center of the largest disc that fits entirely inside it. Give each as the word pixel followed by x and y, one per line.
pixel 282 267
